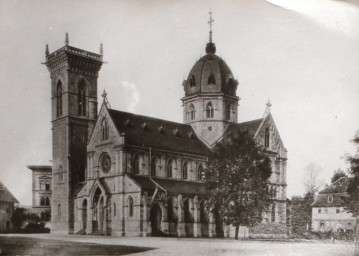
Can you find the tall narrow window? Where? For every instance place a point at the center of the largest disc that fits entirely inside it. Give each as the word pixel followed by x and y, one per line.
pixel 153 166
pixel 82 98
pixel 130 207
pixel 47 185
pixel 228 112
pixel 266 139
pixel 273 213
pixel 209 110
pixel 47 201
pixel 59 212
pixel 169 169
pixel 192 112
pixel 211 79
pixel 200 172
pixel 105 129
pixel 59 99
pixel 42 201
pixel 185 171
pixel 192 81
pixel 114 209
pixel 136 165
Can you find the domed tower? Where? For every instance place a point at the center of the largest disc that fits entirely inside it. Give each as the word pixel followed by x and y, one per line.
pixel 210 102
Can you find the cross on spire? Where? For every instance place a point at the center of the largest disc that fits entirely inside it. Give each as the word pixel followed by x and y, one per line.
pixel 210 22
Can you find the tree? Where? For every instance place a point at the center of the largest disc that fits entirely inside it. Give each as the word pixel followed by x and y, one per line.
pixel 237 180
pixel 45 215
pixel 19 216
pixel 301 212
pixel 312 182
pixel 338 174
pixel 353 188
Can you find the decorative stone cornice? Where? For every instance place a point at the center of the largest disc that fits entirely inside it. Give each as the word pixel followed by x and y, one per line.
pixel 74 60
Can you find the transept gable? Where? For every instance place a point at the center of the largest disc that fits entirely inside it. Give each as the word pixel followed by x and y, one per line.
pixel 268 136
pixel 105 130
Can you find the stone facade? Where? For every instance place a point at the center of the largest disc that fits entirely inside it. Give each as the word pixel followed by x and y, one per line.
pixel 122 174
pixel 41 188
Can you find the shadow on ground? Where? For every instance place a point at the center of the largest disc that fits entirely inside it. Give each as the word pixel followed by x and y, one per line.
pixel 32 246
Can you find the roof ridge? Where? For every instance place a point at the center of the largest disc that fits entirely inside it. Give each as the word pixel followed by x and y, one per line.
pixel 148 117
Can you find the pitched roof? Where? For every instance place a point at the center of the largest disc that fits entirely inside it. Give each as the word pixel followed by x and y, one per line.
pixel 336 190
pixel 171 186
pixel 5 194
pixel 157 133
pixel 233 129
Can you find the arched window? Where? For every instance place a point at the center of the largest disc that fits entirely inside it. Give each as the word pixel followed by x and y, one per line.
pixel 42 201
pixel 266 138
pixel 211 79
pixel 136 164
pixel 192 81
pixel 185 171
pixel 169 168
pixel 153 166
pixel 104 129
pixel 114 209
pixel 59 212
pixel 228 112
pixel 192 112
pixel 82 98
pixel 47 201
pixel 200 172
pixel 59 99
pixel 273 213
pixel 209 110
pixel 130 207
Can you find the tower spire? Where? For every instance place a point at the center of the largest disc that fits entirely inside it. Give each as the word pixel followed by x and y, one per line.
pixel 47 50
pixel 210 48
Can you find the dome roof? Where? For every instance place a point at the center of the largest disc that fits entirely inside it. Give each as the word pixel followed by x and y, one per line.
pixel 210 74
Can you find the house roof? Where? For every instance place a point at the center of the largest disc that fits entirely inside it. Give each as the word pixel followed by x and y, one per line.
pixel 332 195
pixel 5 195
pixel 157 133
pixel 171 186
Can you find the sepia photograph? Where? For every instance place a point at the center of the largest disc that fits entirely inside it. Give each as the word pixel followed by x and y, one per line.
pixel 138 127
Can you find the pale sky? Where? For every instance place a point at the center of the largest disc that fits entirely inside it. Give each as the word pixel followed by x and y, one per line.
pixel 303 55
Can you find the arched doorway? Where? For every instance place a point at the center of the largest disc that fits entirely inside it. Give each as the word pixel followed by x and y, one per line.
pixel 84 215
pixel 97 211
pixel 156 219
pixel 188 219
pixel 204 219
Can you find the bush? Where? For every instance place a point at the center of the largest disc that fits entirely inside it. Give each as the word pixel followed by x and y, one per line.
pixel 35 228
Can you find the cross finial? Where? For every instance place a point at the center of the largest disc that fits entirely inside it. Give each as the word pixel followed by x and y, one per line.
pixel 268 106
pixel 211 20
pixel 105 100
pixel 67 38
pixel 101 49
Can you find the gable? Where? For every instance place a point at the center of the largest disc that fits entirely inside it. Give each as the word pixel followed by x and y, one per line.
pixel 275 141
pixel 96 136
pixel 6 195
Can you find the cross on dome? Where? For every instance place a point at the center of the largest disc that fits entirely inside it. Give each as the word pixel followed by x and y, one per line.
pixel 210 22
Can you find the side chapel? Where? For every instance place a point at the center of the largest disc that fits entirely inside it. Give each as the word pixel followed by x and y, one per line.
pixel 122 174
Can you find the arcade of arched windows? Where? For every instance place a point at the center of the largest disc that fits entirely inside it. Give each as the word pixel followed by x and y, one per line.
pixel 165 166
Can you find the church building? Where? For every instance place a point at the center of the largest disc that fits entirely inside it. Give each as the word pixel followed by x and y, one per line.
pixel 122 174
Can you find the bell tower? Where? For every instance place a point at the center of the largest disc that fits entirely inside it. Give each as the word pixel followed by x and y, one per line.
pixel 73 74
pixel 210 103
